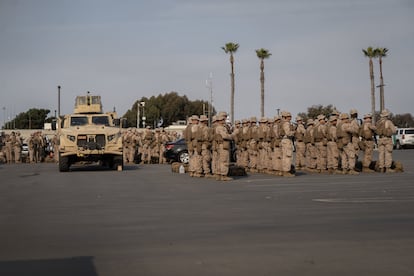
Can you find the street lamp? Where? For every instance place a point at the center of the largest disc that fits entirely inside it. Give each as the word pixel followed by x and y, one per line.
pixel 58 100
pixel 143 114
pixel 209 85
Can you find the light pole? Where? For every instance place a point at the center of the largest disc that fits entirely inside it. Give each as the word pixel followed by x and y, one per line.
pixel 209 85
pixel 143 114
pixel 4 117
pixel 58 100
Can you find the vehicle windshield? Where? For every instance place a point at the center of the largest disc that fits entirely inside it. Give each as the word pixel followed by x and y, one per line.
pixel 78 121
pixel 100 120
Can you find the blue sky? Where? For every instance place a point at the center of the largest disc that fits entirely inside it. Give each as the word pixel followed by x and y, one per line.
pixel 124 50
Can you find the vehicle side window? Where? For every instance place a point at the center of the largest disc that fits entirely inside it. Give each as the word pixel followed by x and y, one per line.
pixel 409 131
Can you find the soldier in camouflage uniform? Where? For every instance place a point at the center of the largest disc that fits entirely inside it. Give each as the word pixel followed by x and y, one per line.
pixel 385 130
pixel 206 142
pixel 345 131
pixel 252 146
pixel 300 144
pixel 276 147
pixel 244 144
pixel 223 138
pixel 195 165
pixel 367 133
pixel 320 138
pixel 287 133
pixel 311 154
pixel 332 154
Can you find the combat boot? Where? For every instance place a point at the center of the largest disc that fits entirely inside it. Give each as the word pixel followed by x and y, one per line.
pixel 353 172
pixel 389 170
pixel 225 178
pixel 288 174
pixel 209 175
pixel 367 170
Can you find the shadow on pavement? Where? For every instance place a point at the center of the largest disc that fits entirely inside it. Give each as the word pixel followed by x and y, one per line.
pixel 79 266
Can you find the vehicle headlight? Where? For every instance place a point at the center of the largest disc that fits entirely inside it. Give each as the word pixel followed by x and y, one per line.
pixel 71 137
pixel 111 137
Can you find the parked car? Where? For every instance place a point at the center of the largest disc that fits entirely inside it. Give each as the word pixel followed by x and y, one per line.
pixel 177 151
pixel 404 138
pixel 24 154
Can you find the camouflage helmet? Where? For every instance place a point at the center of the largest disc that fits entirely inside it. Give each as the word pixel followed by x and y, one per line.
pixel 385 113
pixel 253 119
pixel 320 117
pixel 343 116
pixel 368 115
pixel 298 118
pixel 309 122
pixel 195 117
pixel 353 111
pixel 333 118
pixel 203 118
pixel 286 114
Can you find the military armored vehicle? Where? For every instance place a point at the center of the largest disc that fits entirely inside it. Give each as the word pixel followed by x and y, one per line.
pixel 90 136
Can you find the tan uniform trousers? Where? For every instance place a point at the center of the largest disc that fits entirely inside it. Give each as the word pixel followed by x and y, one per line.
pixel 300 155
pixel 287 154
pixel 310 156
pixel 214 161
pixel 253 155
pixel 332 155
pixel 223 160
pixel 368 151
pixel 277 159
pixel 385 152
pixel 9 152
pixel 348 157
pixel 243 160
pixel 321 152
pixel 206 159
pixel 17 151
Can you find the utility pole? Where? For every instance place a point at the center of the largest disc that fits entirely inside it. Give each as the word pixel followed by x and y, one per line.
pixel 58 100
pixel 209 85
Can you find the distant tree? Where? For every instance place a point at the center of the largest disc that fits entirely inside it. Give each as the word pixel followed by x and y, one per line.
pixel 316 110
pixel 34 118
pixel 403 120
pixel 262 54
pixel 169 108
pixel 231 48
pixel 371 53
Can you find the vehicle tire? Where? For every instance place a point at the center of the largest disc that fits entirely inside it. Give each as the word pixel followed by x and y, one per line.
pixel 63 163
pixel 117 161
pixel 184 157
pixel 398 145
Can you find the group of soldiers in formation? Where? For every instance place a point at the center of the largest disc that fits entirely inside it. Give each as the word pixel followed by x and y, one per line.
pixel 147 145
pixel 322 145
pixel 38 147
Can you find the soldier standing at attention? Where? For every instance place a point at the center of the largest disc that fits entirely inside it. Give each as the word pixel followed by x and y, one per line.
pixel 9 148
pixel 214 149
pixel 253 151
pixel 310 147
pixel 345 131
pixel 206 138
pixel 355 136
pixel 367 132
pixel 332 155
pixel 244 145
pixel 195 166
pixel 237 140
pixel 17 148
pixel 287 145
pixel 385 130
pixel 320 138
pixel 223 138
pixel 300 144
pixel 276 147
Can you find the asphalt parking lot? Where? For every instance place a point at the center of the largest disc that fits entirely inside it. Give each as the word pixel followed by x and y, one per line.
pixel 147 220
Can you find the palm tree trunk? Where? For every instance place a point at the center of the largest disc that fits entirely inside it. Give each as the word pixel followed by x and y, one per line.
pixel 262 88
pixel 232 90
pixel 371 73
pixel 382 104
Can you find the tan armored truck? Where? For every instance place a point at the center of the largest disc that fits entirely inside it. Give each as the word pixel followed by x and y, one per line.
pixel 90 136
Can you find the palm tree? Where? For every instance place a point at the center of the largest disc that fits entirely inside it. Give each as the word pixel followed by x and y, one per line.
pixel 231 48
pixel 380 53
pixel 370 53
pixel 262 54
